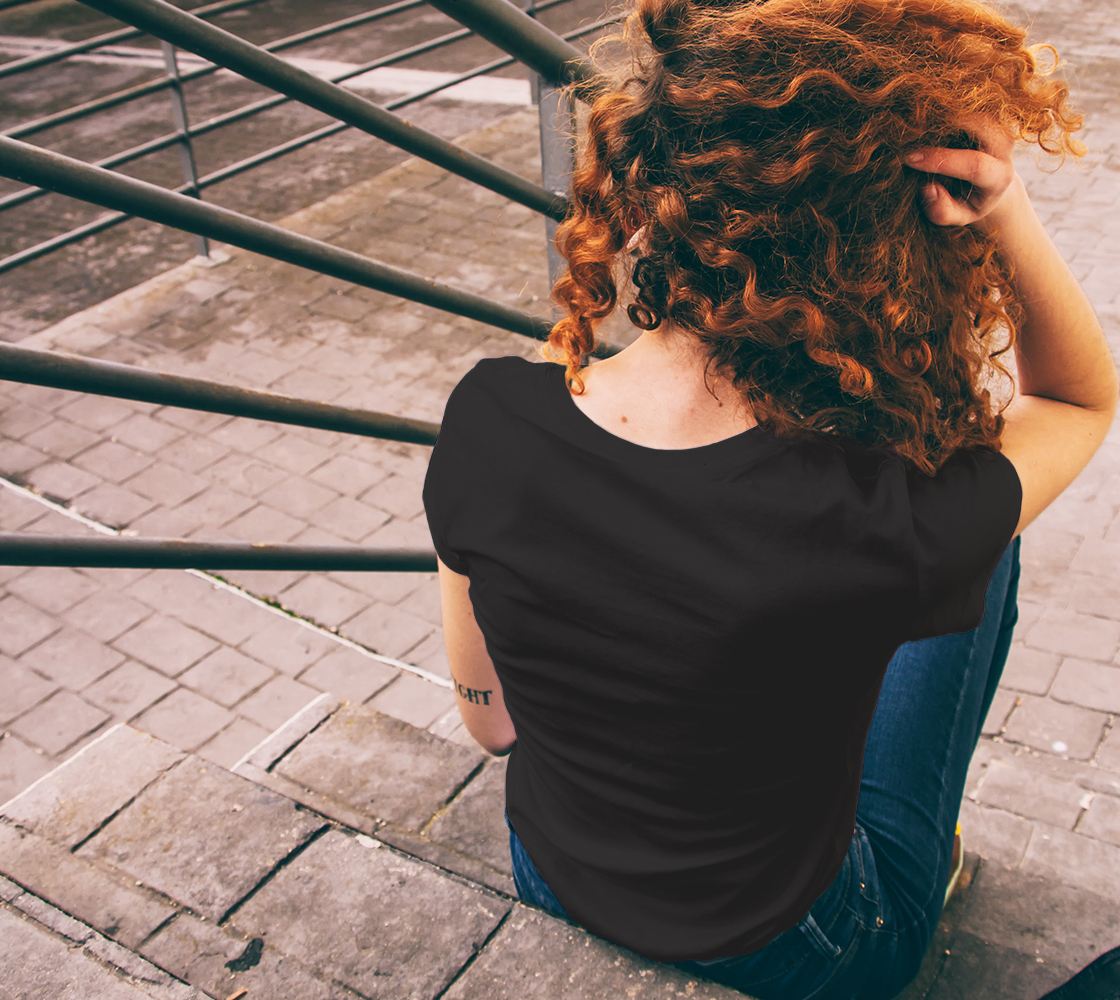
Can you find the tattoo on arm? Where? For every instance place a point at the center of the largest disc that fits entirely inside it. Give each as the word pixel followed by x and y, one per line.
pixel 473 695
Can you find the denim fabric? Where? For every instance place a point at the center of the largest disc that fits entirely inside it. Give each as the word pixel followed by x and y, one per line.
pixel 865 936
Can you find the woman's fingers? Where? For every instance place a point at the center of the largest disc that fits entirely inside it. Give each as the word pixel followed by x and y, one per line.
pixel 979 180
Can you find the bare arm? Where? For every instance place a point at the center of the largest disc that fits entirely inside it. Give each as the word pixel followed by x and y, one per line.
pixel 1067 379
pixel 477 688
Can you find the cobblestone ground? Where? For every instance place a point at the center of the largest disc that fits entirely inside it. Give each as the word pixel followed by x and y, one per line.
pixel 210 670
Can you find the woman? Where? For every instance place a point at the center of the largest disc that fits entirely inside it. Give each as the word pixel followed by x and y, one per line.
pixel 691 566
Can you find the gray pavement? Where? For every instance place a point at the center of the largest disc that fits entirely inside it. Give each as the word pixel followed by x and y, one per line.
pixel 214 665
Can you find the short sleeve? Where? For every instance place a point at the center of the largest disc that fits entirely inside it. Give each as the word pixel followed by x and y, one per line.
pixel 446 481
pixel 964 518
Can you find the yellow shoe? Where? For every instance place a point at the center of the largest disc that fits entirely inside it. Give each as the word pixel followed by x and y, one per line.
pixel 956 865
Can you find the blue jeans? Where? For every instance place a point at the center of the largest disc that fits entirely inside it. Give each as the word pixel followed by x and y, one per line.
pixel 865 936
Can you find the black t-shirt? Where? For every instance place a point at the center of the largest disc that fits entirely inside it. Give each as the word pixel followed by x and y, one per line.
pixel 691 644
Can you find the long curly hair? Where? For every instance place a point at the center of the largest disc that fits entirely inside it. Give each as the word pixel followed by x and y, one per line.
pixel 761 146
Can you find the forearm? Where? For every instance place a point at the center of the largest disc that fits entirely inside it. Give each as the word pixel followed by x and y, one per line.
pixel 1061 351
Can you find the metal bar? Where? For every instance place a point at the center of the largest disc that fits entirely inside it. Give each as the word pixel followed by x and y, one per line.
pixel 173 25
pixel 238 114
pixel 65 175
pixel 108 378
pixel 183 131
pixel 507 26
pixel 120 35
pixel 173 553
pixel 144 89
pixel 8 4
pixel 558 154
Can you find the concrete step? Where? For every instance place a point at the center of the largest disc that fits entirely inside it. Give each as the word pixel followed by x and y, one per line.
pixel 353 855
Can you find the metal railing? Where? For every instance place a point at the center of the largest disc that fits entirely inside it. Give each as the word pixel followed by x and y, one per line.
pixel 550 55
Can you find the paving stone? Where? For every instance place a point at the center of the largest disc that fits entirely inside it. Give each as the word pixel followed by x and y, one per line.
pixel 474 823
pixel 1002 704
pixel 20 765
pixel 379 766
pixel 113 461
pixel 167 485
pixel 993 833
pixel 213 507
pixel 1030 670
pixel 24 626
pixel 1108 756
pixel 263 524
pixel 72 658
pixel 1088 684
pixel 59 722
pixel 226 676
pixel 221 963
pixel 385 925
pixel 81 889
pixel 397 495
pixel 1050 726
pixel 297 496
pixel 61 439
pixel 52 588
pixel 1097 595
pixel 106 614
pixel 245 475
pixel 1071 633
pixel 20 419
pixel 534 955
pixel 232 743
pixel 1032 795
pixel 165 644
pixel 387 630
pixel 193 453
pixel 128 690
pixel 39 965
pixel 113 505
pixel 17 511
pixel 288 647
pixel 80 794
pixel 23 689
pixel 184 719
pixel 248 436
pixel 349 519
pixel 982 971
pixel 1040 918
pixel 324 601
pixel 349 675
pixel 294 453
pixel 276 702
pixel 1102 821
pixel 57 479
pixel 227 834
pixel 347 475
pixel 1074 859
pixel 97 413
pixel 146 433
pixel 414 700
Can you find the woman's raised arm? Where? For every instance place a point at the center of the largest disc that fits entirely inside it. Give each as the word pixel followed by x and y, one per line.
pixel 1067 378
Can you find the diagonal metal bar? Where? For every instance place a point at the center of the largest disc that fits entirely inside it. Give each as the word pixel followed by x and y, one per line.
pixel 173 25
pixel 108 378
pixel 30 164
pixel 144 89
pixel 507 26
pixel 173 553
pixel 109 38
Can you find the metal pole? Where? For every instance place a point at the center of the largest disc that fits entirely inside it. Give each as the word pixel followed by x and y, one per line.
pixel 513 30
pixel 173 553
pixel 109 378
pixel 168 23
pixel 182 129
pixel 44 168
pixel 557 128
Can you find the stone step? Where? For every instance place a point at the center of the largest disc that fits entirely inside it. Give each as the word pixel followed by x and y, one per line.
pixel 353 855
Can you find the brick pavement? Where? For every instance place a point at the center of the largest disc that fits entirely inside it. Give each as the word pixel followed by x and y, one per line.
pixel 208 671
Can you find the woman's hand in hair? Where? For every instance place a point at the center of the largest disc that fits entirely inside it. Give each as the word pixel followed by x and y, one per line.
pixel 982 177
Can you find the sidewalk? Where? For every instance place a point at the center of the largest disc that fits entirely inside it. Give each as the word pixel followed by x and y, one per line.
pixel 212 666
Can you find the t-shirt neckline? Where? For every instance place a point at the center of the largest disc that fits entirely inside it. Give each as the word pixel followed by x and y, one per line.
pixel 589 434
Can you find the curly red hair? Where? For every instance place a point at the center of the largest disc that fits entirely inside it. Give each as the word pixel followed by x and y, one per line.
pixel 761 144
